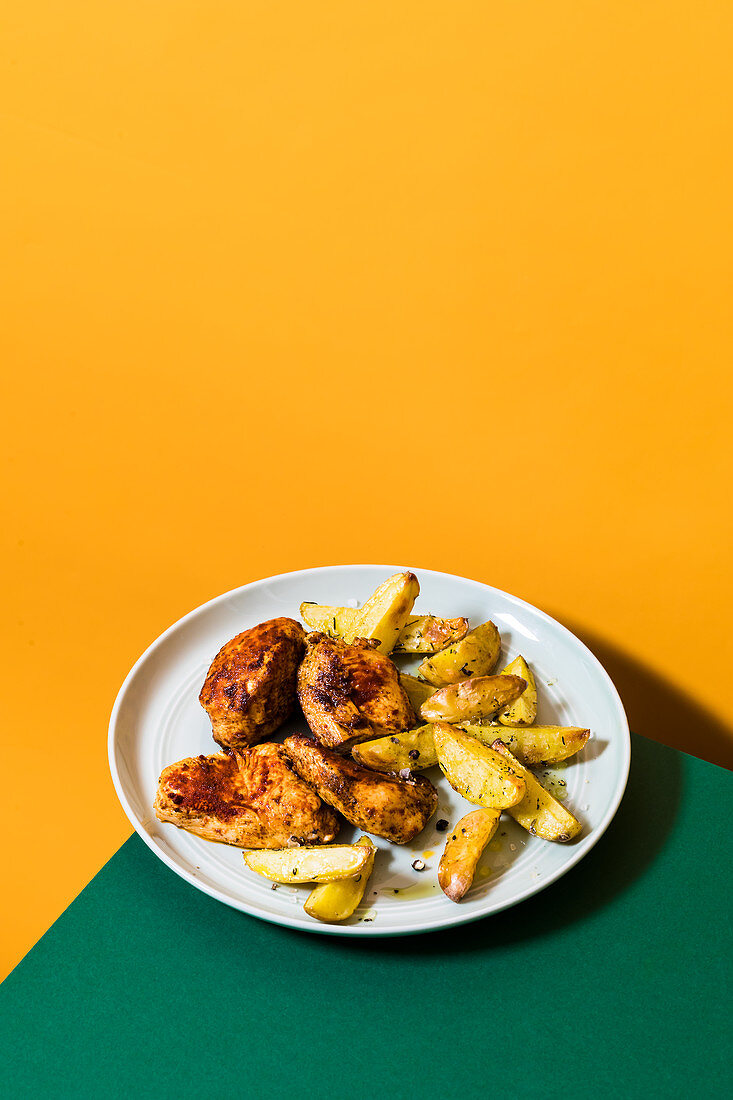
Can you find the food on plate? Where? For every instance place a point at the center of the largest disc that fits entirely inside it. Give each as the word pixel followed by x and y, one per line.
pixel 523 711
pixel 324 864
pixel 538 812
pixel 420 634
pixel 428 634
pixel 251 799
pixel 474 655
pixel 335 901
pixel 413 749
pixel 350 693
pixel 463 848
pixel 334 621
pixel 479 697
pixel 417 690
pixel 381 618
pixel 476 771
pixel 387 610
pixel 384 805
pixel 534 744
pixel 372 727
pixel 249 690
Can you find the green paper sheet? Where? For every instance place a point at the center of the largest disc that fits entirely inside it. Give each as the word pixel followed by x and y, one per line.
pixel 615 981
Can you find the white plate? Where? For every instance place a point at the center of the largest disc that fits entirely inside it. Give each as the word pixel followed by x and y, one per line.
pixel 157 719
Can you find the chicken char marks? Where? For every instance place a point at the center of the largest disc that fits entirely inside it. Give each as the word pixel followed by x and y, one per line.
pixel 384 805
pixel 249 690
pixel 350 693
pixel 252 799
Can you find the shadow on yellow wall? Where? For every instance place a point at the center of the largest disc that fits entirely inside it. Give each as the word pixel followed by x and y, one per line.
pixel 657 708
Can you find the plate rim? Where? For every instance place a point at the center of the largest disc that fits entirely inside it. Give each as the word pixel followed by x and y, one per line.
pixel 301 924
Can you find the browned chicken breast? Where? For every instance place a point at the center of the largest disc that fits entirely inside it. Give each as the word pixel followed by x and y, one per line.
pixel 384 805
pixel 249 691
pixel 350 692
pixel 252 799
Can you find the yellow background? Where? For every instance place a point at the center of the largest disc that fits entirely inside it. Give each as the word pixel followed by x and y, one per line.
pixel 301 283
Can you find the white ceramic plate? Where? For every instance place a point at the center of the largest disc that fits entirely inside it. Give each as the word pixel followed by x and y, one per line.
pixel 157 720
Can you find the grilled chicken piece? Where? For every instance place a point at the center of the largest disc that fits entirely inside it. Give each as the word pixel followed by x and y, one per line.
pixel 350 693
pixel 249 691
pixel 252 799
pixel 384 805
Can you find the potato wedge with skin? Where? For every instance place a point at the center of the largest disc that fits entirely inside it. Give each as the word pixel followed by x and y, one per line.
pixel 413 749
pixel 535 744
pixel 523 711
pixel 420 634
pixel 387 610
pixel 335 901
pixel 474 655
pixel 318 864
pixel 463 848
pixel 478 697
pixel 337 622
pixel 477 772
pixel 538 812
pixel 429 634
pixel 417 690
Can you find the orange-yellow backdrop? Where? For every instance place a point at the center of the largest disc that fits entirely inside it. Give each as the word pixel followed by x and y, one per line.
pixel 286 284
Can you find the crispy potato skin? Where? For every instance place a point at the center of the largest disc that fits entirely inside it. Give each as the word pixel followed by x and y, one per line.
pixel 538 812
pixel 463 848
pixel 534 745
pixel 383 805
pixel 479 697
pixel 327 863
pixel 523 711
pixel 475 655
pixel 249 690
pixel 350 693
pixel 475 771
pixel 332 902
pixel 429 634
pixel 251 799
pixel 413 749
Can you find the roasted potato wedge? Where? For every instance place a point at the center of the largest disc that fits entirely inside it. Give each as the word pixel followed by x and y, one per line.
pixel 463 849
pixel 474 655
pixel 320 864
pixel 335 901
pixel 387 610
pixel 337 622
pixel 382 617
pixel 478 697
pixel 477 772
pixel 413 749
pixel 535 744
pixel 429 634
pixel 523 711
pixel 420 634
pixel 538 812
pixel 417 690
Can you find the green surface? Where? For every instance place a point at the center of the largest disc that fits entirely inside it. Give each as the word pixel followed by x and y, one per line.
pixel 613 982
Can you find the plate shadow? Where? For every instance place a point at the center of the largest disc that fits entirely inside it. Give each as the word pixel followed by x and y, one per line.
pixel 659 709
